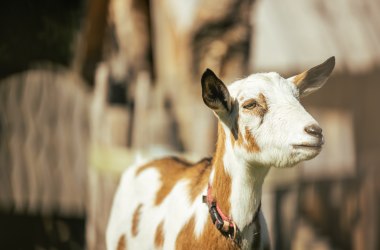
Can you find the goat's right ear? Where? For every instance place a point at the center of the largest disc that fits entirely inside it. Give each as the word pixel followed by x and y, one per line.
pixel 214 93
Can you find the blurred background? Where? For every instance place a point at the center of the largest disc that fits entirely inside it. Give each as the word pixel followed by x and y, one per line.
pixel 86 85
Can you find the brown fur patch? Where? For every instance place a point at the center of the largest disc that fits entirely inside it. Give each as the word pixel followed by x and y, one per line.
pixel 199 180
pixel 135 220
pixel 211 238
pixel 232 138
pixel 263 103
pixel 247 102
pixel 173 169
pixel 240 140
pixel 159 236
pixel 121 245
pixel 248 140
pixel 221 185
pixel 261 107
pixel 251 145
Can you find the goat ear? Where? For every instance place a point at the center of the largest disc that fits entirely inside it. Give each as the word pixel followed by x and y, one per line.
pixel 314 78
pixel 214 93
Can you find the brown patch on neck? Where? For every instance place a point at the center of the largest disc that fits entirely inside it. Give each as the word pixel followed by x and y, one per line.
pixel 159 236
pixel 210 238
pixel 221 184
pixel 172 170
pixel 121 245
pixel 135 220
pixel 199 179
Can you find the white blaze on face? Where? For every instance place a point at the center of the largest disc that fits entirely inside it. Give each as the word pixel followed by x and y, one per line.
pixel 281 126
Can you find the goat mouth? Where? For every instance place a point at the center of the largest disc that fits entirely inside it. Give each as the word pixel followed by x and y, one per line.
pixel 308 146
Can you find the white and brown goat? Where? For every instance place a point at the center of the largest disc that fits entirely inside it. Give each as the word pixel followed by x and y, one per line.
pixel 215 203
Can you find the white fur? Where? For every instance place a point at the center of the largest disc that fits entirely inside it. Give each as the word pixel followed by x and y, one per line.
pixel 128 199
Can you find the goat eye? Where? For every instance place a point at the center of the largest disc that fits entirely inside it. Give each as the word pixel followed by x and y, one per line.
pixel 250 105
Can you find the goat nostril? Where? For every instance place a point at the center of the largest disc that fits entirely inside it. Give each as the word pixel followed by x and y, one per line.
pixel 314 130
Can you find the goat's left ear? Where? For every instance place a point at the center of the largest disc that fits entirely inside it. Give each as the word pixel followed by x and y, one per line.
pixel 314 78
pixel 215 94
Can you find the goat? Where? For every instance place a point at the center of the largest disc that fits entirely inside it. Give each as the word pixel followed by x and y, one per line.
pixel 215 204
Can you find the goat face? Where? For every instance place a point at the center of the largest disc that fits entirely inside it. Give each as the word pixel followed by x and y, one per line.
pixel 264 118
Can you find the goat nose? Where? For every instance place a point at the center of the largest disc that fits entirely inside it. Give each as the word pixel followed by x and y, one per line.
pixel 314 130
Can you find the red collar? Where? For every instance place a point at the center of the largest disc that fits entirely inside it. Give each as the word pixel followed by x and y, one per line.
pixel 222 222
